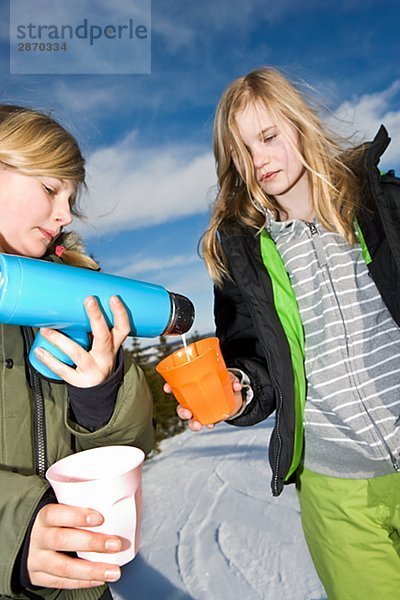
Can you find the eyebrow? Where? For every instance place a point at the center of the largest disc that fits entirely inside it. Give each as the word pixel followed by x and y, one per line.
pixel 267 130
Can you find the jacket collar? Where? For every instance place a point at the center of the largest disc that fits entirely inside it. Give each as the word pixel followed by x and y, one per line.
pixel 377 147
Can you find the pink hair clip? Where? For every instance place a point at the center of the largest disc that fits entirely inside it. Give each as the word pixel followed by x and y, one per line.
pixel 59 250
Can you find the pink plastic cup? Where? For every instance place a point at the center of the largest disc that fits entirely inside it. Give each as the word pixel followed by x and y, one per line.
pixel 108 480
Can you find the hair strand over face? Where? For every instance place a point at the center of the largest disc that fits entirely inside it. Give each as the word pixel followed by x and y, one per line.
pixel 329 162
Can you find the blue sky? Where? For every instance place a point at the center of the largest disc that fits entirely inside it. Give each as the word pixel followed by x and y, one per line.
pixel 147 138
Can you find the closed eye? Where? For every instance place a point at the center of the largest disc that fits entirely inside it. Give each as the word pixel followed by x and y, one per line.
pixel 48 190
pixel 267 139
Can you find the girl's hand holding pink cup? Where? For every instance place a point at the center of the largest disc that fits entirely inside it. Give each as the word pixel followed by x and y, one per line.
pixel 108 481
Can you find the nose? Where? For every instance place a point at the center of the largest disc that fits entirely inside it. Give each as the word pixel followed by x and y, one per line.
pixel 260 157
pixel 62 212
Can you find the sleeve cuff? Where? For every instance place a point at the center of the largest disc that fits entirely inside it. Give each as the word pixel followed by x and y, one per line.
pixel 92 407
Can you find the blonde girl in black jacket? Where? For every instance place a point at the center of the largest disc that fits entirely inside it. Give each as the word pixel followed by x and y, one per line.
pixel 304 250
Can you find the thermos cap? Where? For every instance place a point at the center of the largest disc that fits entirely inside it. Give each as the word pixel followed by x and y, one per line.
pixel 182 315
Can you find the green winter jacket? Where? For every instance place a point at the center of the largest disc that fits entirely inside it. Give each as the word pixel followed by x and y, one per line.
pixel 20 488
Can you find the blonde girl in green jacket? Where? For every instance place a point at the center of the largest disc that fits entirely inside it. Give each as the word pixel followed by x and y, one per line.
pixel 101 402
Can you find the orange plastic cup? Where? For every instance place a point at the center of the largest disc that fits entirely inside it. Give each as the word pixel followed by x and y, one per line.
pixel 200 380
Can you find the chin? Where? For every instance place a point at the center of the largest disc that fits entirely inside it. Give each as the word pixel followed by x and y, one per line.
pixel 32 252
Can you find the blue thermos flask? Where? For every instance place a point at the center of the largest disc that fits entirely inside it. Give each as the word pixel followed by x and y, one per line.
pixel 40 293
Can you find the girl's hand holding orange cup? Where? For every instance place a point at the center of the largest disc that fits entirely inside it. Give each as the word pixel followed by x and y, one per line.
pixel 198 378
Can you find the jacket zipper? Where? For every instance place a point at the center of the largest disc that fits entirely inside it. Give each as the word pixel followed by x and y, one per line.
pixel 318 247
pixel 311 227
pixel 275 470
pixel 39 419
pixel 322 261
pixel 275 473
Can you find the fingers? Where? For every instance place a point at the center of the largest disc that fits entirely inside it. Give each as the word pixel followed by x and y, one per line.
pixel 237 392
pixel 63 515
pixel 64 539
pixel 47 581
pixel 55 532
pixel 53 569
pixel 234 379
pixel 103 338
pixel 92 367
pixel 183 413
pixel 98 324
pixel 106 342
pixel 237 386
pixel 59 524
pixel 79 356
pixel 66 345
pixel 122 326
pixel 186 415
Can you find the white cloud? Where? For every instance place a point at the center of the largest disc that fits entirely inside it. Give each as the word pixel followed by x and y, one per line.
pixel 110 99
pixel 183 274
pixel 365 114
pixel 175 34
pixel 136 265
pixel 88 99
pixel 131 187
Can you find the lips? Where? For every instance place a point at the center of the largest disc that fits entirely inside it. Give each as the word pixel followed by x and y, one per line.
pixel 47 233
pixel 268 176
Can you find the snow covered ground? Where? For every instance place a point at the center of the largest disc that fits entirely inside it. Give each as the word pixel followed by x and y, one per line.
pixel 211 529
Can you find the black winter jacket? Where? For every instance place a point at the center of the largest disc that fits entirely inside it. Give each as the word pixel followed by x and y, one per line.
pixel 247 324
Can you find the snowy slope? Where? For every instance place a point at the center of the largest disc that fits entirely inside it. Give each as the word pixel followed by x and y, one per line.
pixel 211 529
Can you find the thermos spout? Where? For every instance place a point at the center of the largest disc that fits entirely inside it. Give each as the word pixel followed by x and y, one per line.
pixel 182 315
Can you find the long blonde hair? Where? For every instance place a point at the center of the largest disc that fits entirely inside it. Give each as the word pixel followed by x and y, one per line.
pixel 35 144
pixel 331 166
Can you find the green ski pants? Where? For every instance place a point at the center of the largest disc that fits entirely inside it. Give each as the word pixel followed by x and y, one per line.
pixel 352 528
